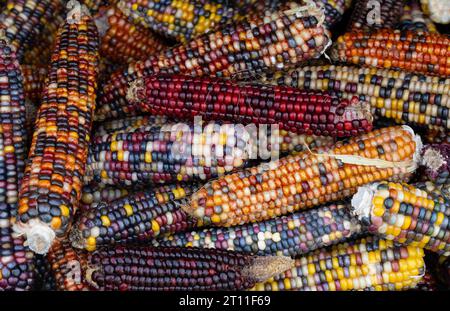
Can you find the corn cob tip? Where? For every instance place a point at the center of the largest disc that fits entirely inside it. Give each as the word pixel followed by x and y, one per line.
pixel 433 160
pixel 39 236
pixel 361 201
pixel 77 12
pixel 76 238
pixel 418 143
pixel 263 268
pixel 101 21
pixel 311 8
pixel 135 88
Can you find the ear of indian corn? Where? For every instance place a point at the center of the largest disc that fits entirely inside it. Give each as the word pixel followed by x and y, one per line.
pixel 68 267
pixel 94 194
pixel 367 264
pixel 291 235
pixel 438 10
pixel 436 160
pixel 51 187
pixel 414 19
pixel 405 214
pixel 406 98
pixel 280 41
pixel 304 112
pixel 23 20
pixel 427 53
pixel 45 280
pixel 307 179
pixel 371 15
pixel 174 268
pixel 16 260
pixel 138 217
pixel 123 42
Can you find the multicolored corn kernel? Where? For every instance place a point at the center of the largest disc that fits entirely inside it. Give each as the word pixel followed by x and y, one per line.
pixel 138 217
pixel 174 268
pixel 413 19
pixel 438 10
pixel 291 235
pixel 334 10
pixel 130 124
pixel 23 20
pixel 33 81
pixel 51 188
pixel 403 97
pixel 68 267
pixel 122 41
pixel 182 20
pixel 436 136
pixel 405 214
pixel 94 194
pixel 369 264
pixel 282 40
pixel 436 160
pixel 427 53
pixel 95 5
pixel 308 179
pixel 428 283
pixel 371 15
pixel 303 112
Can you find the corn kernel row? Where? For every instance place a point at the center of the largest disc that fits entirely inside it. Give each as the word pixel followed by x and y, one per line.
pixel 307 179
pixel 369 264
pixel 413 19
pixel 240 50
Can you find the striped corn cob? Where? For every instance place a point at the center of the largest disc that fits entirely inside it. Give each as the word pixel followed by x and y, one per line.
pixel 164 269
pixel 307 179
pixel 135 218
pixel 68 267
pixel 405 214
pixel 174 152
pixel 438 10
pixel 16 260
pixel 51 187
pixel 427 53
pixel 407 98
pixel 303 112
pixel 241 50
pixel 33 81
pixel 182 20
pixel 370 15
pixel 23 20
pixel 291 235
pixel 367 264
pixel 436 160
pixel 413 19
pixel 122 41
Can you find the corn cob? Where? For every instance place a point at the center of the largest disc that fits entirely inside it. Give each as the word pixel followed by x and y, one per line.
pixel 51 187
pixel 404 97
pixel 68 267
pixel 405 50
pixel 304 112
pixel 241 50
pixel 33 81
pixel 405 214
pixel 436 160
pixel 23 20
pixel 45 280
pixel 413 19
pixel 438 10
pixel 367 264
pixel 122 41
pixel 182 20
pixel 93 194
pixel 164 269
pixel 307 179
pixel 334 10
pixel 135 218
pixel 16 260
pixel 368 15
pixel 436 136
pixel 130 124
pixel 291 235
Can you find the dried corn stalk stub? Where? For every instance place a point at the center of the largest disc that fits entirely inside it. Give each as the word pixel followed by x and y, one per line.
pixel 291 235
pixel 370 15
pixel 426 53
pixel 405 214
pixel 369 264
pixel 303 112
pixel 307 179
pixel 395 95
pixel 238 51
pixel 192 269
pixel 436 160
pixel 51 187
pixel 438 10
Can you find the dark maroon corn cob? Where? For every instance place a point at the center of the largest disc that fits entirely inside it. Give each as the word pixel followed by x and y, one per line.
pixel 16 260
pixel 364 15
pixel 282 40
pixel 299 111
pixel 193 269
pixel 436 160
pixel 134 218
